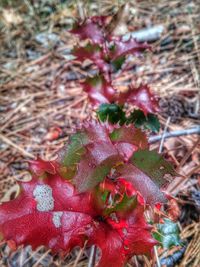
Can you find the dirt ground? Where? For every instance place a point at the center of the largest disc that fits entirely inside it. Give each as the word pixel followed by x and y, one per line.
pixel 41 102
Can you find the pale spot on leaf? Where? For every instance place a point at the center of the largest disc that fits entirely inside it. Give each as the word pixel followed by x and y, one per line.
pixel 57 218
pixel 44 198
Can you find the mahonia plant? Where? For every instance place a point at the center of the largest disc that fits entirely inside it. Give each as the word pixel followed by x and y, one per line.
pixel 98 188
pixel 109 54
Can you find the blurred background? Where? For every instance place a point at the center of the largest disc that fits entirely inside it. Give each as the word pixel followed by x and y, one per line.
pixel 41 100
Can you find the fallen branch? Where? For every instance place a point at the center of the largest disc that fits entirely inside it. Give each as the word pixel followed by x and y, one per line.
pixel 195 130
pixel 146 35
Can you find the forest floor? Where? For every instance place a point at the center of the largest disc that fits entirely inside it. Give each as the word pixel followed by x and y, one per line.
pixel 41 102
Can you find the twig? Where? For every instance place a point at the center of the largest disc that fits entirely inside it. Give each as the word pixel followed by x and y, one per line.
pixel 195 130
pixel 92 257
pixel 164 134
pixel 21 150
pixel 41 258
pixel 157 258
pixel 79 255
pixel 12 113
pixel 187 155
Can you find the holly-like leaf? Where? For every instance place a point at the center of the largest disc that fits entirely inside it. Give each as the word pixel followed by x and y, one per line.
pixel 88 30
pixel 47 212
pixel 141 97
pixel 99 90
pixel 123 48
pixel 89 156
pixel 111 112
pixel 129 134
pixel 75 149
pixel 128 139
pixel 94 53
pixel 142 183
pixel 97 164
pixel 154 165
pixel 168 234
pixel 50 212
pixel 96 132
pixel 150 121
pixel 120 237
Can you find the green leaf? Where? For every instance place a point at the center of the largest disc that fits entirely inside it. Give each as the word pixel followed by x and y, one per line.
pixel 153 164
pixel 111 112
pixel 168 234
pixel 75 149
pixel 126 205
pixel 71 155
pixel 150 121
pixel 117 63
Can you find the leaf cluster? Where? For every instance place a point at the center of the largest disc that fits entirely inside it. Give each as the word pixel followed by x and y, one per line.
pixel 168 234
pixel 114 114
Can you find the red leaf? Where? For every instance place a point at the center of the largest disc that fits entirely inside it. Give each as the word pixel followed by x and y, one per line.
pixel 141 97
pixel 99 159
pixel 99 90
pixel 96 131
pixel 131 46
pixel 119 239
pixel 49 212
pixel 128 139
pixel 93 53
pixel 88 30
pixel 40 167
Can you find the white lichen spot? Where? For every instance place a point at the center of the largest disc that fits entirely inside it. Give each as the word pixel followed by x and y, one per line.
pixel 43 196
pixel 57 218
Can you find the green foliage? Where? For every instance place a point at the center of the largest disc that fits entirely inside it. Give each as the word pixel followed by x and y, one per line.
pixel 111 112
pixel 75 149
pixel 71 154
pixel 168 234
pixel 115 114
pixel 149 122
pixel 126 205
pixel 117 63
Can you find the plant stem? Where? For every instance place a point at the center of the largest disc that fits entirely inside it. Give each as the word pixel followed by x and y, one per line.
pixel 195 130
